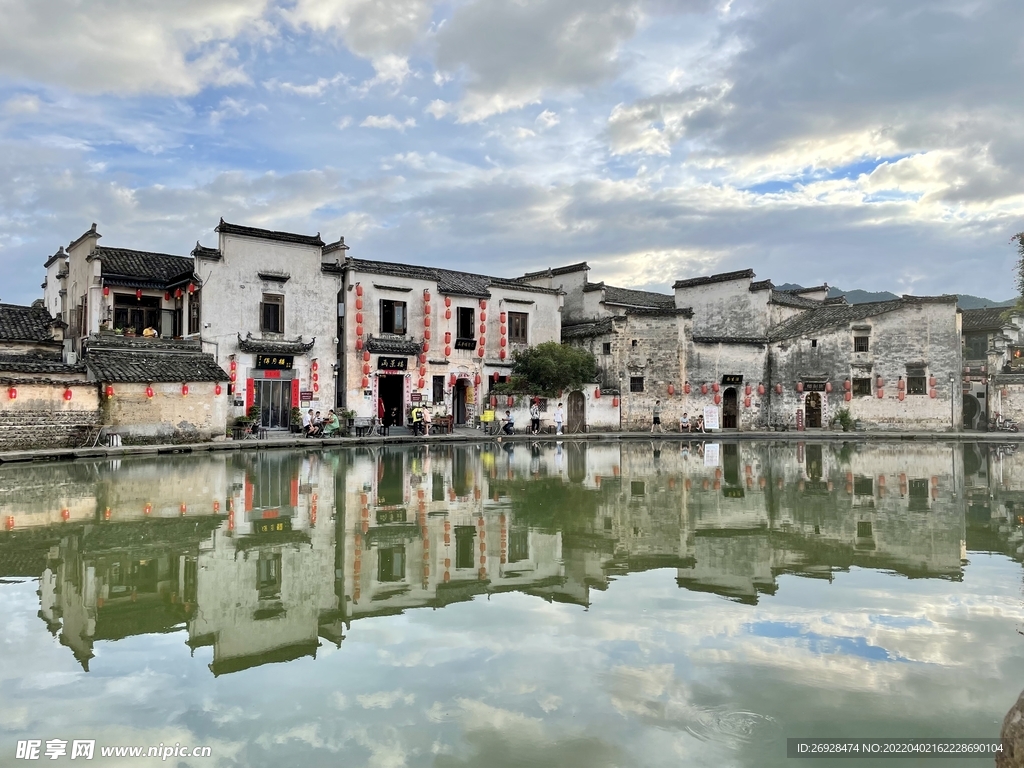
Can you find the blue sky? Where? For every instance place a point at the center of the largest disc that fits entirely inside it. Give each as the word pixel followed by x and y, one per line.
pixel 877 145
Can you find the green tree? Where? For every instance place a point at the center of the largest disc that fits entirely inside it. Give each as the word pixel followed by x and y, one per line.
pixel 551 367
pixel 1019 239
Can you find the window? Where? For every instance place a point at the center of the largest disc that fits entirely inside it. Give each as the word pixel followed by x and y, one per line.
pixel 391 564
pixel 918 491
pixel 518 545
pixel 194 316
pixel 268 576
pixel 465 554
pixel 636 383
pixel 439 389
pixel 636 488
pixel 863 486
pixel 272 313
pixel 634 342
pixel 437 487
pixel 465 323
pixel 916 385
pixel 814 343
pixel 863 529
pixel 517 327
pixel 976 346
pixel 135 314
pixel 392 317
pixel 606 348
pixel 860 343
pixel 861 387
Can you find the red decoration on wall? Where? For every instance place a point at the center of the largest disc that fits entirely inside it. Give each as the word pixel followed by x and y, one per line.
pixel 365 382
pixel 359 317
pixel 483 303
pixel 933 393
pixel 422 358
pixel 420 384
pixel 511 401
pixel 931 381
pixel 451 381
pixel 426 294
pixel 746 402
pixel 703 389
pixel 191 287
pixel 494 401
pixel 366 356
pixel 366 369
pixel 778 389
pixel 502 342
pixel 747 390
pixel 879 382
pixel 597 393
pixel 501 354
pixel 848 396
pixel 167 295
pixel 426 322
pixel 715 387
pixel 718 399
pixel 447 314
pixel 12 393
pixel 799 386
pixel 503 330
pixel 426 346
pixel 359 345
pixel 483 341
pixel 426 333
pixel 67 393
pixel 447 301
pixel 480 352
pixel 447 351
pixel 671 389
pixel 359 330
pixel 217 389
pixel 476 380
pixel 880 393
pixel 828 386
pixel 177 293
pixel 106 290
pixel 109 391
pixel 184 390
pixel 359 304
pixel 900 395
pixel 483 316
pixel 359 290
pixel 901 384
pixel 138 293
pixel 615 402
pixel 760 388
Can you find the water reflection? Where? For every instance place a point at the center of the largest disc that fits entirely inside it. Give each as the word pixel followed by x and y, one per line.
pixel 264 556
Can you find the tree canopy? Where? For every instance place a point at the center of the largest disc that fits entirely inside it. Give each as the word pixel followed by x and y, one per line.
pixel 548 368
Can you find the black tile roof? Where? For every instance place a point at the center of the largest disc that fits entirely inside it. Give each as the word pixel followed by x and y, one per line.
pixel 632 298
pixel 790 299
pixel 588 330
pixel 269 234
pixel 761 285
pixel 19 323
pixel 337 245
pixel 987 319
pixel 448 281
pixel 555 271
pixel 143 344
pixel 730 340
pixel 660 311
pixel 124 266
pixel 393 346
pixel 836 315
pixel 722 277
pixel 39 363
pixel 108 365
pixel 209 254
pixel 274 346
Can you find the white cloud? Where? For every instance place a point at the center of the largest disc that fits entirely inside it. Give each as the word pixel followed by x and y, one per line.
pixel 547 119
pixel 369 28
pixel 312 90
pixel 385 699
pixel 23 104
pixel 344 122
pixel 438 108
pixel 388 122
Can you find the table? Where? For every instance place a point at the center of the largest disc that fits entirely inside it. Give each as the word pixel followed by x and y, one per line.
pixel 441 425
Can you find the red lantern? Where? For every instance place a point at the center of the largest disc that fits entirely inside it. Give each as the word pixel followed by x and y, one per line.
pixel 177 293
pixel 747 390
pixel 447 351
pixel 483 342
pixel 718 399
pixel 109 391
pixel 67 393
pixel 480 352
pixel 671 389
pixel 138 293
pixel 476 380
pixel 184 390
pixel 65 514
pixel 426 322
pixel 315 366
pixel 366 356
pixel 879 382
pixel 686 387
pixel 503 330
pixel 483 329
pixel 9 523
pixel 149 391
pixel 799 386
pixel 106 290
pixel 848 396
pixel 847 385
pixel 501 354
pixel 359 344
pixel 483 304
pixel 880 393
pixel 483 317
pixel 365 382
pixel 447 337
pixel 760 388
pixel 778 389
pixel 426 309
pixel 746 402
pixel 316 387
pixel 359 318
pixel 366 369
pixel 12 393
pixel 316 376
pixel 703 389
pixel 422 358
pixel 359 330
pixel 615 402
pixel 359 304
pixel 426 294
pixel 501 341
pixel 931 381
pixel 420 385
pixel 423 370
pixel 447 301
pixel 597 393
pixel 426 347
pixel 494 401
pixel 451 381
pixel 426 333
pixel 511 401
pixel 901 384
pixel 216 389
pixel 447 314
pixel 715 387
pixel 167 295
pixel 828 386
pixel 900 395
pixel 933 393
pixel 191 287
pixel 359 290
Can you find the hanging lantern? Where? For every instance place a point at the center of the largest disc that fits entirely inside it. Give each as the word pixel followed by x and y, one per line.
pixel 615 402
pixel 501 317
pixel 703 389
pixel 167 295
pixel 359 318
pixel 366 369
pixel 483 341
pixel 65 514
pixel 451 381
pixel 483 329
pixel 426 294
pixel 480 352
pixel 447 337
pixel 183 508
pixel 828 386
pixel 359 330
pixel 879 382
pixel 420 384
pixel 365 382
pixel 191 287
pixel 366 356
pixel 316 376
pixel 503 330
pixel 149 391
pixel 447 301
pixel 501 342
pixel 799 386
pixel 931 381
pixel 495 377
pixel 67 393
pixel 422 358
pixel 316 387
pixel 216 389
pixel 671 389
pixel 686 387
pixel 359 290
pixel 426 346
pixel 900 395
pixel 718 399
pixel 447 314
pixel 494 401
pixel 597 393
pixel 933 393
pixel 715 387
pixel 746 402
pixel 184 390
pixel 483 317
pixel 847 385
pixel 426 322
pixel 483 304
pixel 778 389
pixel 447 351
pixel 426 334
pixel 315 365
pixel 423 370
pixel 106 290
pixel 880 393
pixel 359 304
pixel 177 293
pixel 760 388
pixel 12 393
pixel 476 380
pixel 109 391
pixel 848 396
pixel 501 354
pixel 511 401
pixel 747 390
pixel 901 384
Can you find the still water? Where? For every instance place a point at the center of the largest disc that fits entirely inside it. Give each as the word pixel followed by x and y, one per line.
pixel 569 604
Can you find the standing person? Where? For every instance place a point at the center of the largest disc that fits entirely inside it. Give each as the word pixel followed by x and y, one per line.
pixel 535 418
pixel 427 422
pixel 657 417
pixel 307 422
pixel 380 412
pixel 559 418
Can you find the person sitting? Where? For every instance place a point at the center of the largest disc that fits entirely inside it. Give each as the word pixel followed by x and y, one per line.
pixel 700 424
pixel 684 423
pixel 509 427
pixel 316 426
pixel 307 422
pixel 333 425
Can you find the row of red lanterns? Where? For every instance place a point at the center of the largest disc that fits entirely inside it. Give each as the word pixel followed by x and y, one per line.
pixel 12 392
pixel 167 294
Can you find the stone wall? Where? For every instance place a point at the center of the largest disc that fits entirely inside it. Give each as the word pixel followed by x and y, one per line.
pixel 1007 397
pixel 40 417
pixel 168 416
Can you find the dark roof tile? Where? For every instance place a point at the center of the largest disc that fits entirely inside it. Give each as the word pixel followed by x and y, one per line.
pixel 274 347
pixel 588 330
pixel 835 315
pixel 269 234
pixel 448 281
pixel 987 319
pixel 722 277
pixel 38 363
pixel 109 365
pixel 209 254
pixel 124 266
pixel 630 297
pixel 18 323
pixel 389 346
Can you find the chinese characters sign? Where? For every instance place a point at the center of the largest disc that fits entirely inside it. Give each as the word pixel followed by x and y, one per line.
pixel 392 363
pixel 274 362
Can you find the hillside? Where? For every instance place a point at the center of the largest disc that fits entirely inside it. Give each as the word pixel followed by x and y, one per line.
pixel 859 296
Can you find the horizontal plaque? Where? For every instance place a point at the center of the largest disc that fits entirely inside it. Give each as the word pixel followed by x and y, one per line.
pixel 814 386
pixel 392 363
pixel 273 525
pixel 275 362
pixel 465 344
pixel 733 379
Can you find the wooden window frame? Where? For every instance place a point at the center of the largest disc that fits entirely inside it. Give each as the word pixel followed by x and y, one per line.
pixel 272 299
pixel 520 334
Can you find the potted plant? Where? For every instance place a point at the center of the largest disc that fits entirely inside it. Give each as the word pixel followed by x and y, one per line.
pixel 119 331
pixel 842 420
pixel 349 417
pixel 296 420
pixel 129 332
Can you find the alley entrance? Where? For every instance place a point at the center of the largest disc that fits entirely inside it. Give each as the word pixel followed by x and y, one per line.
pixel 577 420
pixel 812 411
pixel 730 409
pixel 391 390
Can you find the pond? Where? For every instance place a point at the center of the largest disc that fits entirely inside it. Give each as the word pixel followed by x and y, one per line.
pixel 551 604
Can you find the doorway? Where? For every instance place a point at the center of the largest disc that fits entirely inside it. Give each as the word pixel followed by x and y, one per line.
pixel 812 411
pixel 577 416
pixel 391 391
pixel 274 397
pixel 730 409
pixel 459 401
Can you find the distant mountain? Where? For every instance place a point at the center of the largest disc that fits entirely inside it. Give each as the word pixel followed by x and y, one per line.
pixel 857 296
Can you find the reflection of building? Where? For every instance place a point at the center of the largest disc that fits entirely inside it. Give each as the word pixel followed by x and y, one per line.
pixel 262 556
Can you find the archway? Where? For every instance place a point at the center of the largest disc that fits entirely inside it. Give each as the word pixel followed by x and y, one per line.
pixel 812 411
pixel 972 413
pixel 730 409
pixel 577 416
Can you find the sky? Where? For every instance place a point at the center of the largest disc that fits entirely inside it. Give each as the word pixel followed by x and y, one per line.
pixel 875 145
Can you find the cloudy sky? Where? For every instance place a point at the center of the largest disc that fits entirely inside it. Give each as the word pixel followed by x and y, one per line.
pixel 876 144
